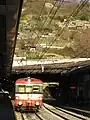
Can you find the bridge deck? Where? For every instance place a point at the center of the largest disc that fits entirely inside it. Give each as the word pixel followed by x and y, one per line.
pixel 64 67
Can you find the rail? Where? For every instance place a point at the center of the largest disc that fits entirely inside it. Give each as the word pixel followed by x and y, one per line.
pixel 66 115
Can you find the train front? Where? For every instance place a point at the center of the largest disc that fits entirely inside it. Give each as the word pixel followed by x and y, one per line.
pixel 28 94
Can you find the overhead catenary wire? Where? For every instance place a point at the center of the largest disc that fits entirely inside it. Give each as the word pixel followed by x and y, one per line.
pixel 42 26
pixel 74 13
pixel 60 4
pixel 38 36
pixel 86 49
pixel 68 18
pixel 45 20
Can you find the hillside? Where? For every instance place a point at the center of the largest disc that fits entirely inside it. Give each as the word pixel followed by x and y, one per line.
pixel 40 32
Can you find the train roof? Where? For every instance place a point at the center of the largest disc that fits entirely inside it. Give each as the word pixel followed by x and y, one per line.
pixel 28 80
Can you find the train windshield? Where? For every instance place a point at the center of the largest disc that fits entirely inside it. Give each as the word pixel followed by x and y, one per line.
pixel 29 89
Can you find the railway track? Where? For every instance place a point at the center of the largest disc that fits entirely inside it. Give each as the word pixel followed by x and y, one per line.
pixel 19 116
pixel 64 114
pixel 49 112
pixel 29 116
pixel 39 116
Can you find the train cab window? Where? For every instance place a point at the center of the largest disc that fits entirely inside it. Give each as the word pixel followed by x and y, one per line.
pixel 2 2
pixel 20 88
pixel 28 89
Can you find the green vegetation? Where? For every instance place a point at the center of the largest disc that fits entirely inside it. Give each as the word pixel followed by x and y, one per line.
pixel 84 17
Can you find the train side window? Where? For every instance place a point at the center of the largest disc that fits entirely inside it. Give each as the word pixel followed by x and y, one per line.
pixel 2 2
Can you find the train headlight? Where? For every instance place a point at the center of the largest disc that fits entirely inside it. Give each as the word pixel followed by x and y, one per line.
pixel 20 103
pixel 37 103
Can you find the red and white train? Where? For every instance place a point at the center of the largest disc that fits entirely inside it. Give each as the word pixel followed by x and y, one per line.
pixel 28 94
